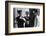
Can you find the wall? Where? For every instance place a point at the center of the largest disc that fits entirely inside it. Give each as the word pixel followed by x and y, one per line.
pixel 2 18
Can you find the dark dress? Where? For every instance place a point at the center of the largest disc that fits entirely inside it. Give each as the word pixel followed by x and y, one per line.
pixel 20 22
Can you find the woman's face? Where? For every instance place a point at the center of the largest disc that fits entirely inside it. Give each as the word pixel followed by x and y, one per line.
pixel 38 13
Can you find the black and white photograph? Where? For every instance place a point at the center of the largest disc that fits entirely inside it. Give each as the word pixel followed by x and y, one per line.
pixel 26 17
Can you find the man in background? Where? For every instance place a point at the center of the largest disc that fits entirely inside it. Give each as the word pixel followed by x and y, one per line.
pixel 27 19
pixel 32 17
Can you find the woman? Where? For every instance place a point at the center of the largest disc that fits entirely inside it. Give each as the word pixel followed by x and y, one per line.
pixel 37 19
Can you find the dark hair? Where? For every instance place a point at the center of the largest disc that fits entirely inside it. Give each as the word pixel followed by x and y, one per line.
pixel 19 11
pixel 35 10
